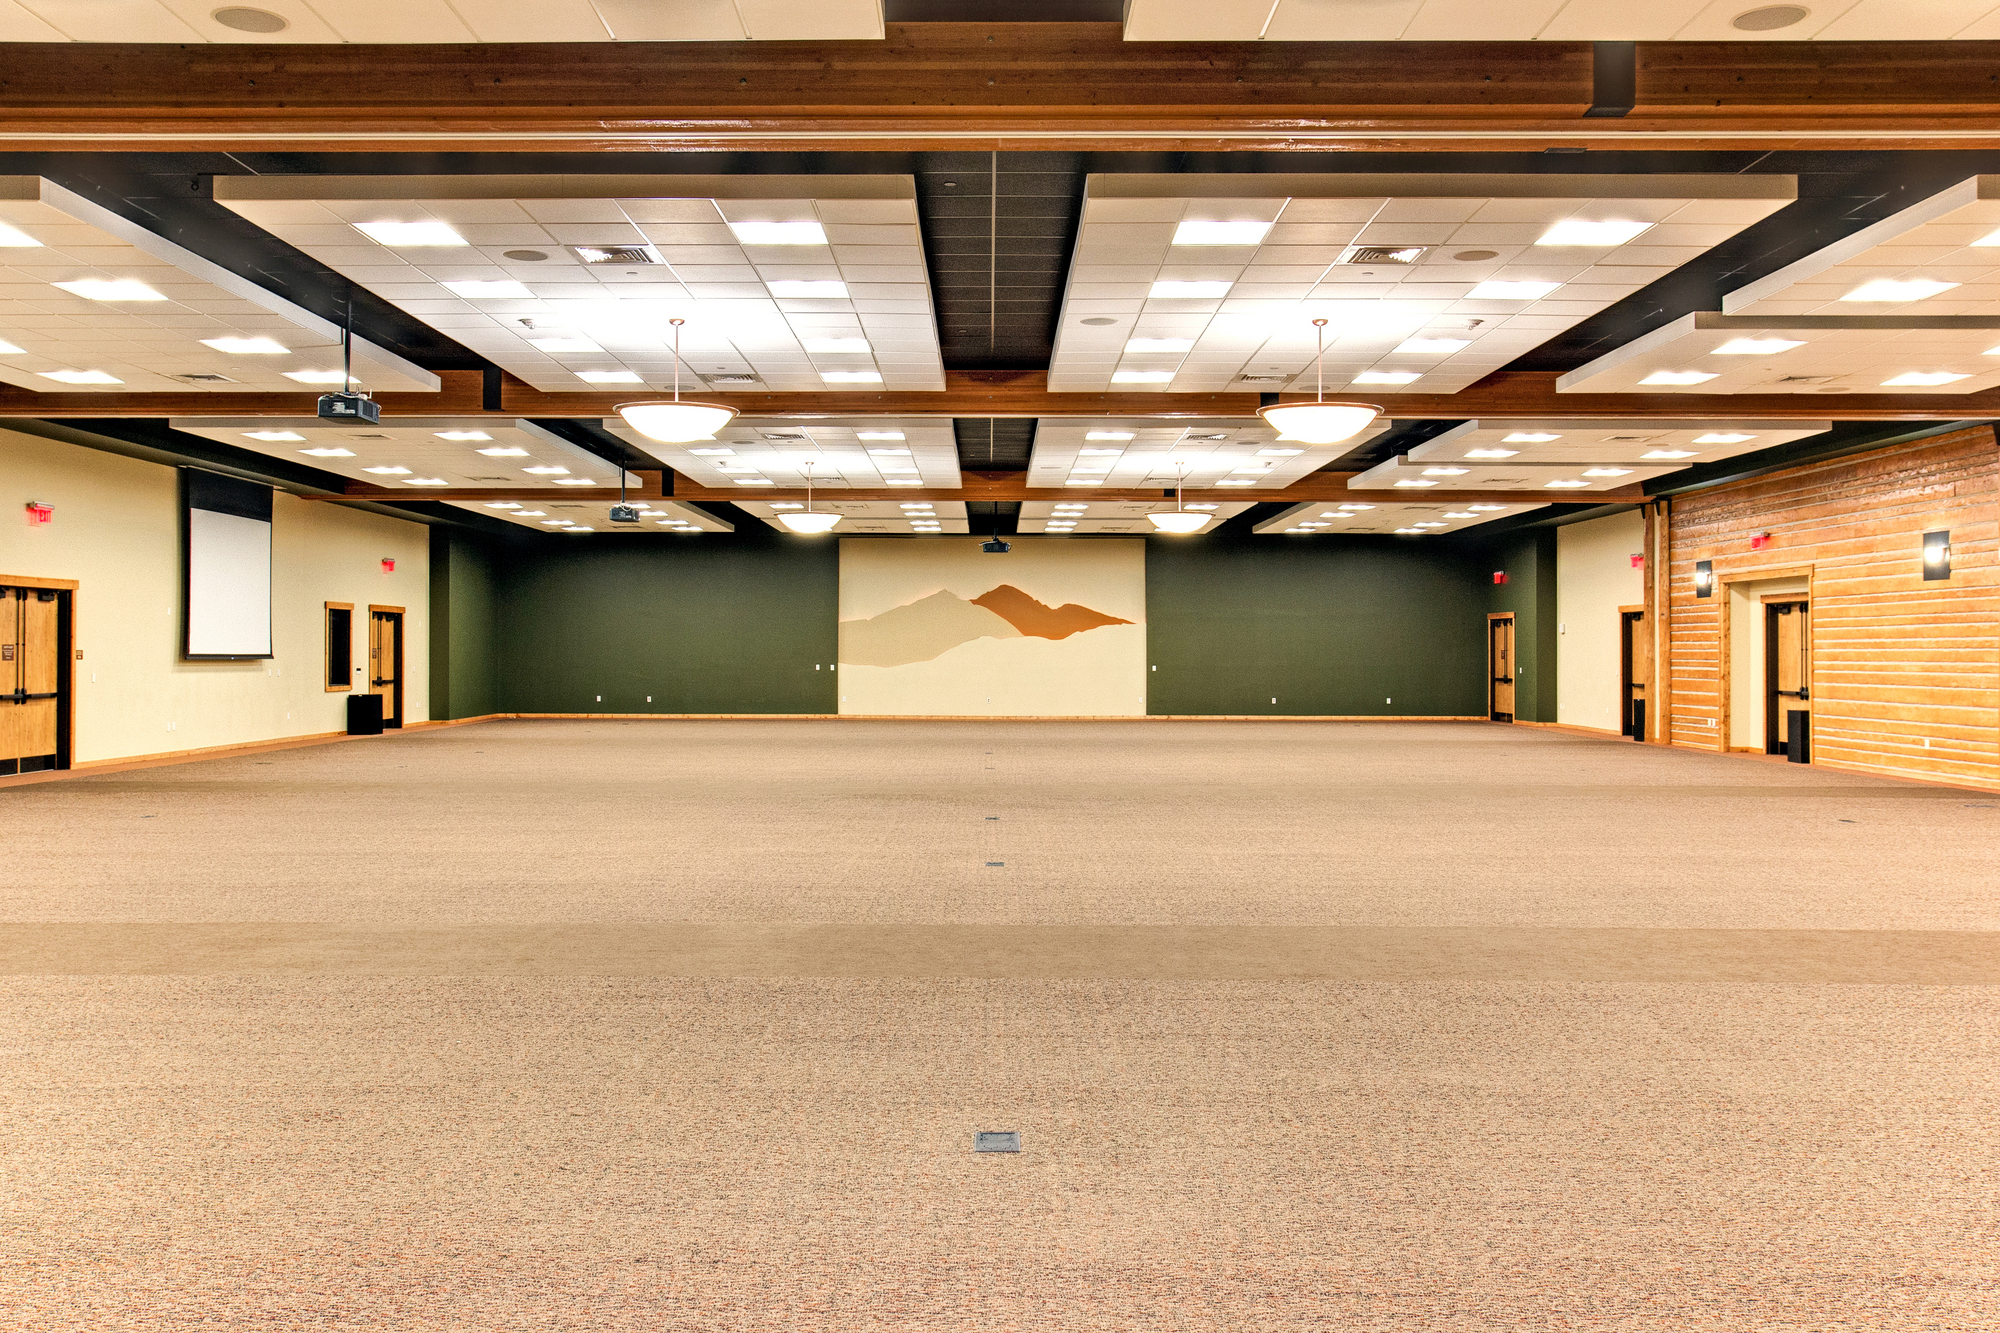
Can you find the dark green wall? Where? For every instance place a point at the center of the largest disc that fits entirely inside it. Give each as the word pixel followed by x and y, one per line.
pixel 716 623
pixel 737 622
pixel 1528 557
pixel 463 617
pixel 1323 626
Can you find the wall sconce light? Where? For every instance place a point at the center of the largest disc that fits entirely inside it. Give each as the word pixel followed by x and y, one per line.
pixel 1704 578
pixel 1937 555
pixel 1760 541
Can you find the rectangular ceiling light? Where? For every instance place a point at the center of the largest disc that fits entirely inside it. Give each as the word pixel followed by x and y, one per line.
pixel 807 287
pixel 1221 233
pixel 487 288
pixel 429 232
pixel 1577 231
pixel 247 346
pixel 13 239
pixel 1497 289
pixel 111 289
pixel 779 233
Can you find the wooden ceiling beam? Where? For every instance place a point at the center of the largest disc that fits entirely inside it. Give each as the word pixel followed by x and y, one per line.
pixel 986 85
pixel 1000 487
pixel 1504 395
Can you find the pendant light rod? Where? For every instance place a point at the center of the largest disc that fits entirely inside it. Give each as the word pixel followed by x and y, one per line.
pixel 677 355
pixel 1319 363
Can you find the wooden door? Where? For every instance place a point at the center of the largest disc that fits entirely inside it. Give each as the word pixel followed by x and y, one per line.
pixel 1636 654
pixel 1500 667
pixel 31 679
pixel 385 662
pixel 1787 668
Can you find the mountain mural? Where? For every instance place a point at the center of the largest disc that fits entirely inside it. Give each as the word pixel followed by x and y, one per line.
pixel 1035 620
pixel 931 626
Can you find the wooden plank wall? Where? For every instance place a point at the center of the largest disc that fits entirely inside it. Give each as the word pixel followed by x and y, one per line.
pixel 1896 661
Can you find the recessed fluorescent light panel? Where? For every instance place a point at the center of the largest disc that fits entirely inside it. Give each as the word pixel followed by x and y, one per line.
pixel 247 346
pixel 1898 290
pixel 1581 232
pixel 779 233
pixel 110 289
pixel 1756 346
pixel 1221 233
pixel 428 232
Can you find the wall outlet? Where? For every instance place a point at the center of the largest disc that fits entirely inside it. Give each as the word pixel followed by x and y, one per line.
pixel 649 698
pixel 1388 701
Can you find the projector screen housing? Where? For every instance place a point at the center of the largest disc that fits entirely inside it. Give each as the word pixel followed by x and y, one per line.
pixel 225 567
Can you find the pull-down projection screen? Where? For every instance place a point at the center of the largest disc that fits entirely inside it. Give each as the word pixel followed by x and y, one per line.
pixel 226 564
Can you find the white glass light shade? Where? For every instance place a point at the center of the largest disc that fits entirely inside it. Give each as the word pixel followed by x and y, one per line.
pixel 1180 522
pixel 676 423
pixel 1320 423
pixel 810 523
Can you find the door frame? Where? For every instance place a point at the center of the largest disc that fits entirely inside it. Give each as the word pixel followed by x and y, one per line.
pixel 66 630
pixel 1725 675
pixel 401 658
pixel 1625 643
pixel 1514 651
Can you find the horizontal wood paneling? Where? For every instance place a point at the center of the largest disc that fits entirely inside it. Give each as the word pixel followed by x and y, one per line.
pixel 1906 673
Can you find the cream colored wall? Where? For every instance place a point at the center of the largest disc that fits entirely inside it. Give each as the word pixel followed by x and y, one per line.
pixel 117 532
pixel 1594 577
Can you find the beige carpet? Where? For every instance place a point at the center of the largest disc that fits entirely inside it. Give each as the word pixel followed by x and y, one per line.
pixel 663 1026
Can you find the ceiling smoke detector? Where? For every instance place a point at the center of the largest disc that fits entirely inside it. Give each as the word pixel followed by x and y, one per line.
pixel 1384 254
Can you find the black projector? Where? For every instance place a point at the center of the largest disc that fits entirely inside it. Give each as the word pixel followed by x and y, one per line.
pixel 624 514
pixel 349 407
pixel 995 547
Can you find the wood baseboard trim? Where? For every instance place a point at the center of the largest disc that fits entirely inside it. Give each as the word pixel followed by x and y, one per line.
pixel 1601 733
pixel 161 759
pixel 978 717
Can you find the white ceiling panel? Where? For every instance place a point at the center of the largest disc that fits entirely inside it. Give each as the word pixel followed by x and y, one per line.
pixel 1619 443
pixel 429 455
pixel 1726 354
pixel 156 309
pixel 1513 474
pixel 859 518
pixel 571 282
pixel 1428 283
pixel 1323 518
pixel 1084 517
pixel 1548 20
pixel 1128 453
pixel 856 452
pixel 1940 256
pixel 576 517
pixel 384 21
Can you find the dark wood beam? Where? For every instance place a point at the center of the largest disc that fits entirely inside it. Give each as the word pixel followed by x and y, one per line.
pixel 986 85
pixel 1002 487
pixel 1504 395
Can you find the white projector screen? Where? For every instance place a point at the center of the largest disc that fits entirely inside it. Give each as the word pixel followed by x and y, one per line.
pixel 228 568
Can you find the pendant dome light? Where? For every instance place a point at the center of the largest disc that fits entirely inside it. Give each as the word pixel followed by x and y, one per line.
pixel 1180 520
pixel 1320 422
pixel 676 422
pixel 809 523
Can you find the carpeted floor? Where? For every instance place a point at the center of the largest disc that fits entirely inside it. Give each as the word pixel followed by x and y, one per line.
pixel 665 1026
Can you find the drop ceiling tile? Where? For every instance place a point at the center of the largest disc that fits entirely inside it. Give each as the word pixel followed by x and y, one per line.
pixel 608 303
pixel 1324 518
pixel 152 345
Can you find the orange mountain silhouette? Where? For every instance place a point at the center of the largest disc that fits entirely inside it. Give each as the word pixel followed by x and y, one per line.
pixel 1038 621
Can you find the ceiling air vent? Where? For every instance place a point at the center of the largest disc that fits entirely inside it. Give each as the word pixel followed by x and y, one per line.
pixel 205 378
pixel 1263 379
pixel 732 379
pixel 617 254
pixel 1384 254
pixel 1806 379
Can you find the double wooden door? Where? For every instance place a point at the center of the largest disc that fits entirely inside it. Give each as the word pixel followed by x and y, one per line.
pixel 34 681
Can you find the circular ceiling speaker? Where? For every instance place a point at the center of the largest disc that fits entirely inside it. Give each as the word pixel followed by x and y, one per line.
pixel 526 256
pixel 1769 18
pixel 1474 256
pixel 250 20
